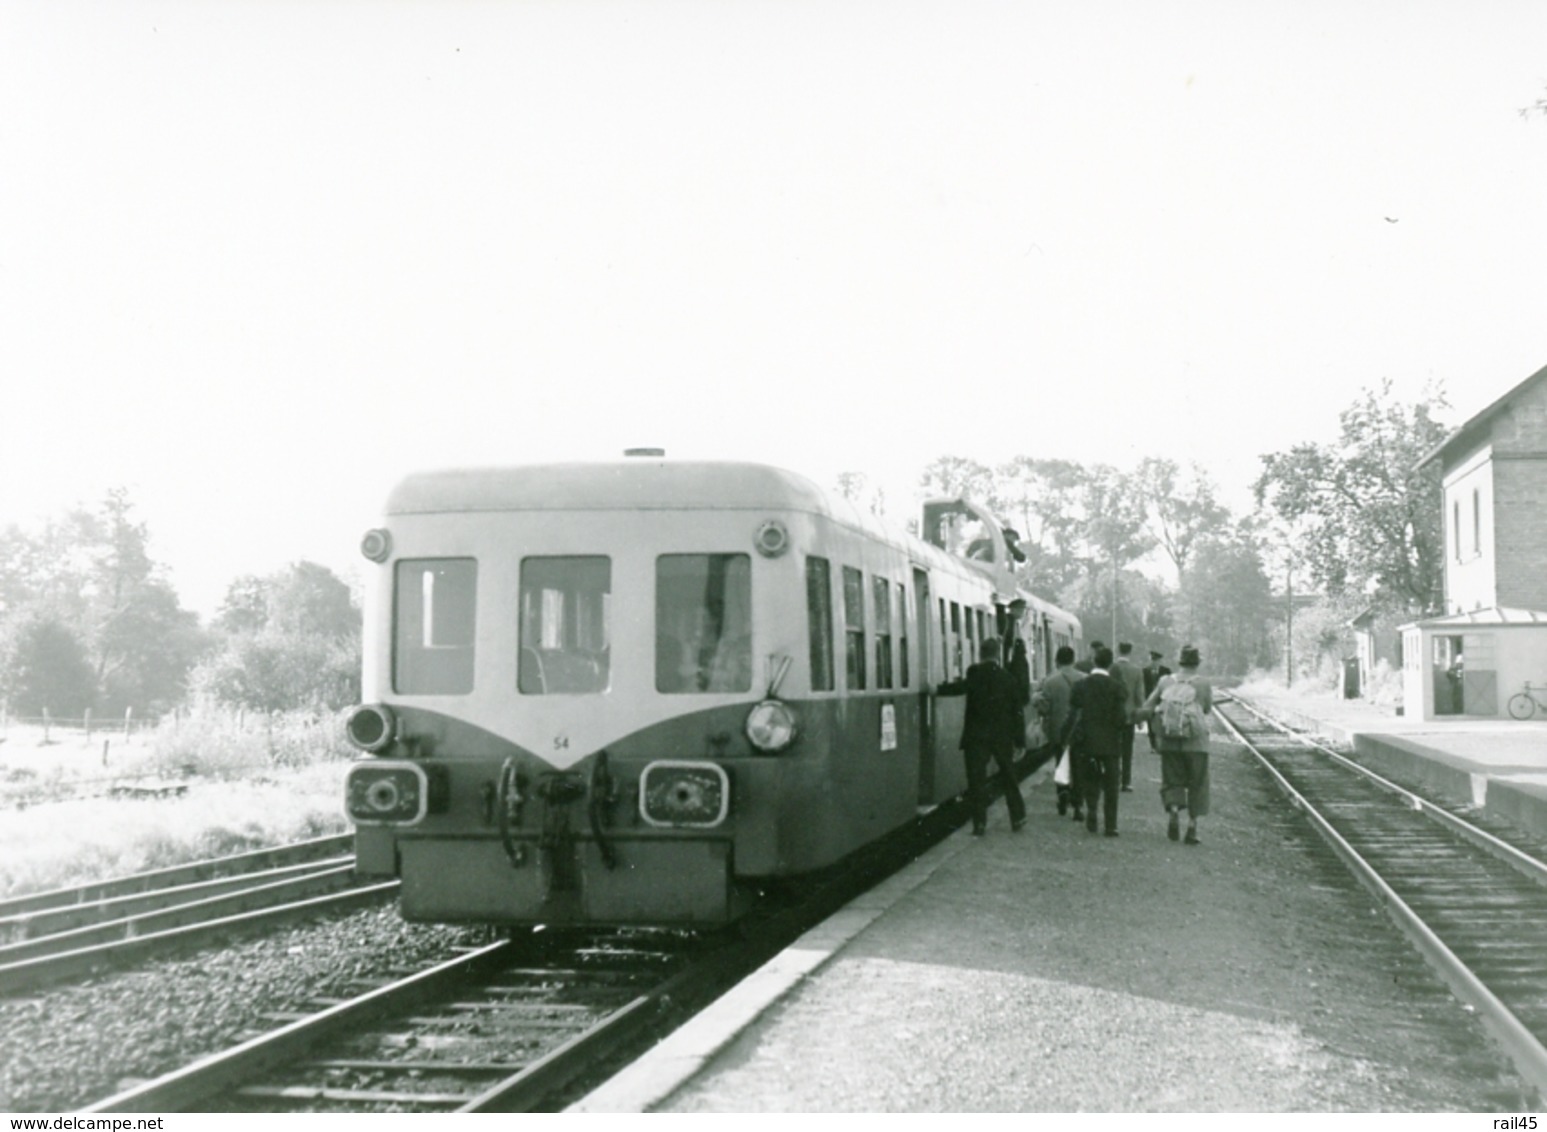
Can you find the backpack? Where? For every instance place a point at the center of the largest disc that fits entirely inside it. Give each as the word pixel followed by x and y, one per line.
pixel 1181 716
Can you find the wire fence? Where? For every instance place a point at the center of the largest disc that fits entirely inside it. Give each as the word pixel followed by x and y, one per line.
pixel 86 725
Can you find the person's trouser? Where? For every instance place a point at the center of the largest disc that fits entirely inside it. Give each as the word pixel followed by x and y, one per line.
pixel 1101 779
pixel 1127 740
pixel 978 759
pixel 1184 781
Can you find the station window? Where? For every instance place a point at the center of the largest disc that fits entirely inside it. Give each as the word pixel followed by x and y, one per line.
pixel 902 635
pixel 854 627
pixel 564 635
pixel 819 622
pixel 703 623
pixel 881 589
pixel 1455 525
pixel 434 615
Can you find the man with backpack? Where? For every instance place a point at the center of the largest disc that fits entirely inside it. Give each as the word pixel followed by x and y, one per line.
pixel 1178 709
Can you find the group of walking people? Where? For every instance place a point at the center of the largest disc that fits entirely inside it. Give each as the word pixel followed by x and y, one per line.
pixel 1090 713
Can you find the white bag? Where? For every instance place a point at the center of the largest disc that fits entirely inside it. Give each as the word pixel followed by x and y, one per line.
pixel 1061 771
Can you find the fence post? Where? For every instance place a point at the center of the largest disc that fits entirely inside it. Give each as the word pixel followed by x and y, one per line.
pixel 47 719
pixel 128 723
pixel 88 725
pixel 105 743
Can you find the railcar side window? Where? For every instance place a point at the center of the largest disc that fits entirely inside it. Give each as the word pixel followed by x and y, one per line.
pixel 882 591
pixel 955 664
pixel 902 635
pixel 565 637
pixel 434 614
pixel 703 623
pixel 945 644
pixel 819 621
pixel 854 627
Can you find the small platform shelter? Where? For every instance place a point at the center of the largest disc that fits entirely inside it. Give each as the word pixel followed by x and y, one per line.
pixel 1470 664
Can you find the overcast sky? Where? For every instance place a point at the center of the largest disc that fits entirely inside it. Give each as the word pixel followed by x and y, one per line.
pixel 259 259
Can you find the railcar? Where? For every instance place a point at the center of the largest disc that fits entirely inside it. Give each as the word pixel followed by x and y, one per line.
pixel 634 692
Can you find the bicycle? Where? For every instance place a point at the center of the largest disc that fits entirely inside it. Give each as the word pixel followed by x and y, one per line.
pixel 1523 705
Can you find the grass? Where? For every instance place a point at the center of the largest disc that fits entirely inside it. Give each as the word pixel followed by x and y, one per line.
pixel 251 782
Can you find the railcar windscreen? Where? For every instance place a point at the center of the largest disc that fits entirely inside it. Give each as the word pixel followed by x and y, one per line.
pixel 434 614
pixel 566 603
pixel 703 623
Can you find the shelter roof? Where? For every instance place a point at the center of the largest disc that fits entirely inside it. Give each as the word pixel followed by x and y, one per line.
pixel 1494 615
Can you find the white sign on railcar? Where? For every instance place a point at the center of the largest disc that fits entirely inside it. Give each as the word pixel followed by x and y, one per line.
pixel 888 727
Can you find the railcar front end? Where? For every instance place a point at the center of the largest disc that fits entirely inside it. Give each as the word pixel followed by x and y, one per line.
pixel 588 698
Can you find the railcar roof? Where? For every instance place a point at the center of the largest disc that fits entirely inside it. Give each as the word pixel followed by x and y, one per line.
pixel 636 484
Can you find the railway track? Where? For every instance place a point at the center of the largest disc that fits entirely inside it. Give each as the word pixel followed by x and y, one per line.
pixel 526 1024
pixel 1473 903
pixel 67 933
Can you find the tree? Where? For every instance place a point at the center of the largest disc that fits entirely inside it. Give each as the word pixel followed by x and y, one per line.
pixel 1182 508
pixel 1228 602
pixel 292 642
pixel 1114 529
pixel 958 476
pixel 1041 499
pixel 91 571
pixel 1371 517
pixel 43 665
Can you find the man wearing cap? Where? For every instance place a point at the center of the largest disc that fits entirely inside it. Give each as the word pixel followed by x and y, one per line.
pixel 1131 677
pixel 1152 674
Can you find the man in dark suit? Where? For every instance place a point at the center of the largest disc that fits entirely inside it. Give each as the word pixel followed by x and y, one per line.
pixel 1131 677
pixel 1152 674
pixel 989 732
pixel 1089 662
pixel 1100 713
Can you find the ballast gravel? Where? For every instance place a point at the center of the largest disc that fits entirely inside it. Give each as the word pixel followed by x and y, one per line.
pixel 65 1048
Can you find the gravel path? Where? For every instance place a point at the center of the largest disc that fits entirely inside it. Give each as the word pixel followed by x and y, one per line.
pixel 1054 971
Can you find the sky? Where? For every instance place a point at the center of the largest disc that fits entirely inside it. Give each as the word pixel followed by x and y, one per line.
pixel 258 260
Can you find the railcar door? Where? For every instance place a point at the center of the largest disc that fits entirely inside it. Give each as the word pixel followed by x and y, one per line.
pixel 926 671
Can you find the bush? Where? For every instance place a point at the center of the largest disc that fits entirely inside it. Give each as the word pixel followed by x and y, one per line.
pixel 223 742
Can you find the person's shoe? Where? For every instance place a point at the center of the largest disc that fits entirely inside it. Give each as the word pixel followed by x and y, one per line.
pixel 1090 822
pixel 1127 789
pixel 1173 827
pixel 1017 825
pixel 978 831
pixel 1111 833
pixel 1192 836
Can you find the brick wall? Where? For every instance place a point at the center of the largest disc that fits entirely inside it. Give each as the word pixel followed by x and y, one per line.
pixel 1520 534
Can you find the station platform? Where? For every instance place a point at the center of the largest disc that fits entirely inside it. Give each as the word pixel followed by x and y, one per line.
pixel 1498 765
pixel 1053 971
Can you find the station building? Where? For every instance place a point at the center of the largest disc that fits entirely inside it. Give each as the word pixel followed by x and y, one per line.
pixel 1492 639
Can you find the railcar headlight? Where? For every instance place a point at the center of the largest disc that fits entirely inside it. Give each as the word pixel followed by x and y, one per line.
pixel 678 794
pixel 376 544
pixel 371 727
pixel 381 792
pixel 771 726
